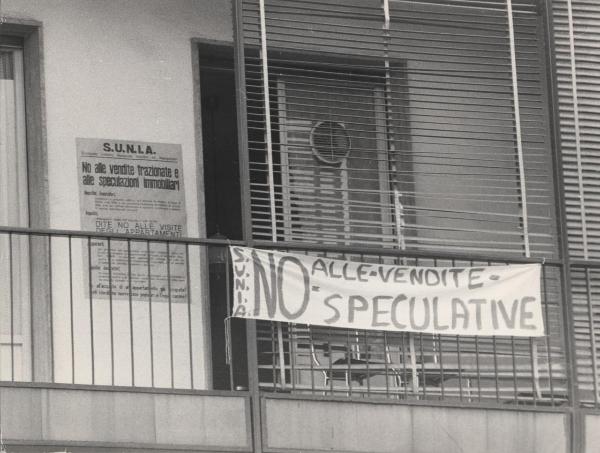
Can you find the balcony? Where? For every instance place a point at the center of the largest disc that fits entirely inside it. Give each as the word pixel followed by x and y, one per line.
pixel 85 353
pixel 78 311
pixel 87 362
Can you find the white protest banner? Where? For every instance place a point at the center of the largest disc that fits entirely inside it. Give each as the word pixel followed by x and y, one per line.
pixel 493 300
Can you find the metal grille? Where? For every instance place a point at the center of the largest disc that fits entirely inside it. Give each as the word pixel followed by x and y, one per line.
pixel 346 362
pixel 586 330
pixel 69 315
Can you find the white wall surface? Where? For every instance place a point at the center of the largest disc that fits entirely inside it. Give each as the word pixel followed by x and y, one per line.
pixel 120 69
pixel 363 427
pixel 127 421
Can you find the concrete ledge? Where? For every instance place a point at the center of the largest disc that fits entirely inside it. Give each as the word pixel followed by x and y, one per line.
pixel 47 416
pixel 308 425
pixel 592 433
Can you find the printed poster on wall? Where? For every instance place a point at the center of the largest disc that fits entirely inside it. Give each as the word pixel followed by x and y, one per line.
pixel 133 188
pixel 479 300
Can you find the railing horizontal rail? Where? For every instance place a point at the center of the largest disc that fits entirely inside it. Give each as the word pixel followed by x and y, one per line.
pixel 396 252
pixel 103 235
pixel 585 263
pixel 125 310
pixel 291 246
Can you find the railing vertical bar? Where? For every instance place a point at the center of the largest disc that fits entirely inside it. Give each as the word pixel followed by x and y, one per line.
pixel 495 353
pixel 413 357
pixel 366 353
pixel 423 370
pixel 292 355
pixel 514 368
pixel 110 302
pixel 589 296
pixel 330 360
pixel 51 301
pixel 150 321
pixel 367 359
pixel 72 323
pixel 12 307
pixel 496 380
pixel 33 359
pixel 440 347
pixel 403 359
pixel 171 360
pixel 413 364
pixel 131 345
pixel 228 294
pixel 459 366
pixel 442 384
pixel 548 337
pixel 274 347
pixel 91 298
pixel 385 364
pixel 349 361
pixel 535 390
pixel 313 351
pixel 458 359
pixel 189 311
pixel 281 353
pixel 478 368
pixel 477 364
pixel 386 351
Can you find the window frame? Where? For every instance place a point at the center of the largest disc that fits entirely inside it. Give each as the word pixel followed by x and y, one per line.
pixel 27 34
pixel 244 50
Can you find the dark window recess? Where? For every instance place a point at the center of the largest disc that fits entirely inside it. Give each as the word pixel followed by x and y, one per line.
pixel 222 201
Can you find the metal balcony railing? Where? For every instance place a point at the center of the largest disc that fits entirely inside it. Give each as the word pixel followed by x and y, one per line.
pixel 585 300
pixel 358 363
pixel 99 309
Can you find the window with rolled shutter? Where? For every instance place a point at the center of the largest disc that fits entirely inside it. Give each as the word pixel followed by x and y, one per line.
pixel 428 104
pixel 412 125
pixel 577 44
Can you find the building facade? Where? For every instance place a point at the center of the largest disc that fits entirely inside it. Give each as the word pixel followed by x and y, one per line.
pixel 139 139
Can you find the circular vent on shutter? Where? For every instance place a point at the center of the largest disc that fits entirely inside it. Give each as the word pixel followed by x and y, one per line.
pixel 330 142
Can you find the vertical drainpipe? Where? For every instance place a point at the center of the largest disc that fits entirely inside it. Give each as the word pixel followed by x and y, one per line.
pixel 575 440
pixel 271 179
pixel 255 424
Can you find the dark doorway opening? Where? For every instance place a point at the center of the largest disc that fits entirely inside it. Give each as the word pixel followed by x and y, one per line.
pixel 222 204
